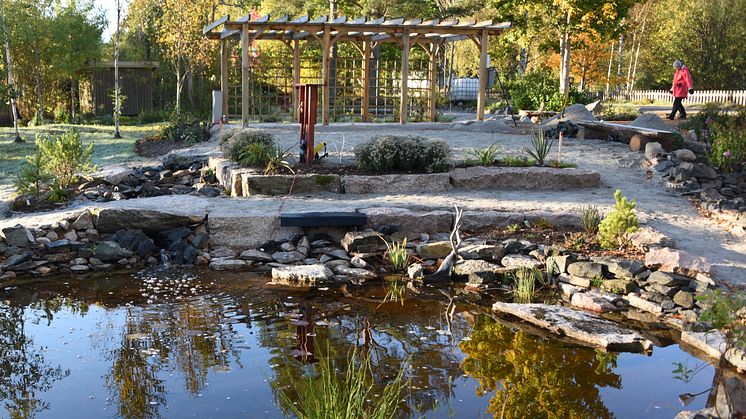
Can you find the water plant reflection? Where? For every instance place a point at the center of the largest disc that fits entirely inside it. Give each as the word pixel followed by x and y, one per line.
pixel 533 377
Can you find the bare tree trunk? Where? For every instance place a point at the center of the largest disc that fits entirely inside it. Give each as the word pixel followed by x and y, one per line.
pixel 639 43
pixel 620 52
pixel 564 86
pixel 629 67
pixel 37 76
pixel 608 73
pixel 11 85
pixel 190 87
pixel 117 89
pixel 72 97
pixel 177 108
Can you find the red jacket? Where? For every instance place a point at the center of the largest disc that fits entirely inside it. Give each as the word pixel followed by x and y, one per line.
pixel 682 82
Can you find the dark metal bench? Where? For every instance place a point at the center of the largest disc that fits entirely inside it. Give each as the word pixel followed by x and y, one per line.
pixel 323 219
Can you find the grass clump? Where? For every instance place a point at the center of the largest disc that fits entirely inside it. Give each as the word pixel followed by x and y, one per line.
pixel 397 255
pixel 590 218
pixel 350 395
pixel 392 153
pixel 540 147
pixel 620 222
pixel 238 141
pixel 483 156
pixel 272 158
pixel 524 284
pixel 513 161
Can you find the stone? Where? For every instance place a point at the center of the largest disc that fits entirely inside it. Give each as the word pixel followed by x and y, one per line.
pixel 668 279
pixel 84 221
pixel 661 289
pixel 562 262
pixel 110 250
pixel 638 142
pixel 588 270
pixel 415 271
pixel 287 247
pixel 43 270
pixel 71 235
pixel 256 256
pixel 619 286
pixel 52 236
pixel 80 268
pixel 512 178
pixel 703 171
pixel 223 252
pixel 250 184
pixel 61 257
pixel 434 250
pixel 301 275
pixel 361 241
pixel 145 248
pixel 408 221
pixel 586 328
pixel 575 280
pixel 663 166
pixel 568 290
pixel 287 257
pixel 653 150
pixel 595 107
pixel 397 184
pixel 337 253
pixel 490 252
pixel 226 264
pixel 113 175
pixel 591 302
pixel 713 343
pixel 684 154
pixel 623 268
pixel 200 240
pixel 684 299
pixel 303 246
pixel 15 260
pixel 640 303
pixel 17 235
pixel 354 272
pixel 520 261
pixel 359 262
pixel 110 220
pixel 679 261
pixel 478 272
pixel 209 191
pixel 646 238
pixel 43 241
pixel 189 255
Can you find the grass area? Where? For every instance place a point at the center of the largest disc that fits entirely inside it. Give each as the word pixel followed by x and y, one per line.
pixel 107 149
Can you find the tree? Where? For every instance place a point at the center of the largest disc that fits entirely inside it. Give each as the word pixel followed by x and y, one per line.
pixel 9 69
pixel 117 87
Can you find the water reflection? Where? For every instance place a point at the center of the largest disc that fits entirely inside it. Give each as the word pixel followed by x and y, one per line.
pixel 533 377
pixel 24 371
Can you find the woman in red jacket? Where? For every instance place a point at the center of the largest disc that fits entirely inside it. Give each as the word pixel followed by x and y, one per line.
pixel 681 89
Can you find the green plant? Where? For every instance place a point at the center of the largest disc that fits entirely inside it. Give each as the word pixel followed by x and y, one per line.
pixel 391 153
pixel 726 311
pixel 524 284
pixel 65 156
pixel 620 222
pixel 512 229
pixel 395 291
pixel 188 130
pixel 540 147
pixel 576 241
pixel 727 148
pixel 234 142
pixel 352 394
pixel 277 161
pixel 597 281
pixel 542 224
pixel 590 218
pixel 483 156
pixel 57 193
pixel 397 255
pixel 540 87
pixel 32 176
pixel 513 161
pixel 561 165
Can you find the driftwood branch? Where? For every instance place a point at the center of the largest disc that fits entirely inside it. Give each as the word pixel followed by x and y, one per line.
pixel 455 238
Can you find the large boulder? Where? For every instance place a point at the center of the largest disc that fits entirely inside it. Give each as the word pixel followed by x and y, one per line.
pixel 647 238
pixel 110 251
pixel 361 241
pixel 573 113
pixel 113 175
pixel 301 275
pixel 396 184
pixel 111 220
pixel 650 121
pixel 84 221
pixel 434 250
pixel 18 236
pixel 477 272
pixel 679 261
pixel 408 221
pixel 586 269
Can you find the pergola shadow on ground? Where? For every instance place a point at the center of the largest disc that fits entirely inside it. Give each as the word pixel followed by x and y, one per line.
pixel 365 34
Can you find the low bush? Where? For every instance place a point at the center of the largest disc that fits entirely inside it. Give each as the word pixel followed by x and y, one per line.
pixel 235 142
pixel 727 138
pixel 149 117
pixel 64 157
pixel 391 153
pixel 273 159
pixel 188 130
pixel 537 87
pixel 620 222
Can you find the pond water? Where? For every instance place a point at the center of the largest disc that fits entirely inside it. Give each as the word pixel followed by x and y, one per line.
pixel 201 344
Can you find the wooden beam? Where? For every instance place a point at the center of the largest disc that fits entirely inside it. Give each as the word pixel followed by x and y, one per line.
pixel 215 24
pixel 365 105
pixel 482 96
pixel 296 77
pixel 404 92
pixel 326 45
pixel 224 54
pixel 433 73
pixel 245 44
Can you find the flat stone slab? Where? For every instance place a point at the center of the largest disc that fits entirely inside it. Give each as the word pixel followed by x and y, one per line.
pixel 395 184
pixel 258 184
pixel 713 344
pixel 584 327
pixel 301 275
pixel 480 177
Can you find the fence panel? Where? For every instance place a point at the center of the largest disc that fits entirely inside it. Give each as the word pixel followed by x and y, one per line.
pixel 725 97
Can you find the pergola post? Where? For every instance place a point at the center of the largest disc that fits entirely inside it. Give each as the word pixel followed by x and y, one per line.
pixel 482 96
pixel 245 43
pixel 296 77
pixel 224 54
pixel 404 92
pixel 433 76
pixel 365 105
pixel 325 49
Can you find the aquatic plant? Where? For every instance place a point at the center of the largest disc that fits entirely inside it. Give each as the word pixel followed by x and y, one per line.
pixel 397 255
pixel 395 291
pixel 620 222
pixel 540 147
pixel 524 284
pixel 349 395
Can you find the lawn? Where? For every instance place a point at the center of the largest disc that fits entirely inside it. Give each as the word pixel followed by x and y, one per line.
pixel 107 149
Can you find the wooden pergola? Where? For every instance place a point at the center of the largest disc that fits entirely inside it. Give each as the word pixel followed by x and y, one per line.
pixel 362 32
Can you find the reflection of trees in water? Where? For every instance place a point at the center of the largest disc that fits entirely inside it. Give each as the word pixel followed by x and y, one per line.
pixel 190 338
pixel 534 377
pixel 431 362
pixel 24 371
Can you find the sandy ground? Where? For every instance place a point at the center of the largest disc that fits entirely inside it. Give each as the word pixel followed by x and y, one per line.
pixel 620 169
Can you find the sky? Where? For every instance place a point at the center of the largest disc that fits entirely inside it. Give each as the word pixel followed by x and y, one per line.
pixel 110 7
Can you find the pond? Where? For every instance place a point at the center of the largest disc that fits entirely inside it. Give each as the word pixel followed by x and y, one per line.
pixel 203 344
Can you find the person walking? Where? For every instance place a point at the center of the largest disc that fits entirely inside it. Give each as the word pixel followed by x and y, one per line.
pixel 681 88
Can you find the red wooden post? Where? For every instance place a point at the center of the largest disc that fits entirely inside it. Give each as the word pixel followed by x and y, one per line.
pixel 308 99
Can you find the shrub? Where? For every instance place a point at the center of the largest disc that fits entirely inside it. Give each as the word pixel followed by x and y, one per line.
pixel 620 222
pixel 64 156
pixel 272 158
pixel 149 117
pixel 188 130
pixel 32 176
pixel 236 143
pixel 540 147
pixel 392 153
pixel 590 218
pixel 537 87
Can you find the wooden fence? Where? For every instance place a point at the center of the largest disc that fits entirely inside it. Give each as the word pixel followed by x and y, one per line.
pixel 737 97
